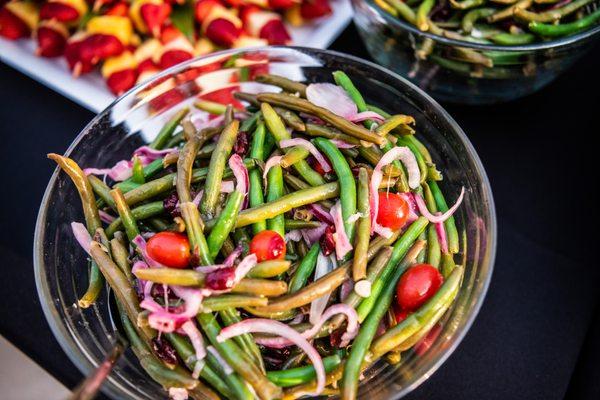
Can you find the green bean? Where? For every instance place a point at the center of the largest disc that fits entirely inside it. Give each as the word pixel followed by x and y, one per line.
pixel 422 20
pixel 472 16
pixel 171 276
pixel 125 214
pixel 363 228
pixel 404 10
pixel 227 301
pixel 269 269
pixel 551 15
pixel 305 269
pixel 346 181
pixel 290 118
pixel 372 155
pixel 341 123
pixel 368 329
pixel 210 107
pixel 185 162
pixel 286 203
pixel 400 333
pixel 550 30
pixel 293 224
pixel 238 360
pixel 346 83
pixel 512 39
pixel 150 363
pixel 137 171
pixel 212 187
pixel 120 255
pixel 195 232
pixel 324 285
pixel 328 132
pixel 167 130
pixel 166 183
pixel 247 97
pixel 449 224
pixel 293 155
pixel 139 213
pixel 509 11
pixel 246 342
pixel 124 292
pixel 423 170
pixel 393 122
pixel 255 194
pixel 300 375
pixel 239 388
pixel 224 224
pixel 400 250
pixel 275 192
pixel 102 190
pixel 261 287
pixel 466 4
pixel 186 352
pixel 284 83
pixel 175 140
pixel 448 264
pixel 279 133
pixel 434 253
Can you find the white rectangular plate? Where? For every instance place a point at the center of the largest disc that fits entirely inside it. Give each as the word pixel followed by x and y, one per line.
pixel 90 91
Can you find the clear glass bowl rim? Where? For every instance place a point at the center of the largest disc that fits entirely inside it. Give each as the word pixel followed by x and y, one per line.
pixel 75 353
pixel 551 44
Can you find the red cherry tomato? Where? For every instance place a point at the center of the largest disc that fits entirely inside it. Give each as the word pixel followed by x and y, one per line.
pixel 393 210
pixel 170 248
pixel 417 285
pixel 268 245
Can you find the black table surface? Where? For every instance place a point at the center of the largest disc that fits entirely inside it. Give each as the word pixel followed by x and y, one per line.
pixel 538 333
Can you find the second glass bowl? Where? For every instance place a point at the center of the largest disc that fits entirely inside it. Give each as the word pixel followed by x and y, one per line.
pixel 441 66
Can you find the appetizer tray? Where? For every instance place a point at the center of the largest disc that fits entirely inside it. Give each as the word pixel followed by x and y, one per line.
pixel 90 91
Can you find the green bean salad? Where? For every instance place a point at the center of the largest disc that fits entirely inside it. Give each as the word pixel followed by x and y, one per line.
pixel 274 245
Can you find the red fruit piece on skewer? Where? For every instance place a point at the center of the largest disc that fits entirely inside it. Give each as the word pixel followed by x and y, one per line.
pixel 265 25
pixel 51 38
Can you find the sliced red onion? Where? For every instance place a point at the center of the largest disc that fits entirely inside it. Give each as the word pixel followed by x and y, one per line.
pixel 82 236
pixel 241 176
pixel 351 328
pixel 308 146
pixel 414 177
pixel 235 254
pixel 191 297
pixel 412 206
pixel 340 144
pixel 119 172
pixel 271 162
pixel 226 187
pixel 198 366
pixel 152 154
pixel 244 267
pixel 140 242
pixel 365 115
pixel 106 217
pixel 311 236
pixel 332 98
pixel 440 230
pixel 294 235
pixel 262 325
pixel 354 217
pixel 317 306
pixel 435 219
pixel 342 242
pixel 195 336
pixel 163 321
pixel 224 364
pixel 176 393
pixel 207 269
pixel 363 288
pixel 321 213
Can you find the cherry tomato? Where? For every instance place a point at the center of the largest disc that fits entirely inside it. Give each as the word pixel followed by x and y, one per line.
pixel 417 285
pixel 170 248
pixel 268 245
pixel 393 210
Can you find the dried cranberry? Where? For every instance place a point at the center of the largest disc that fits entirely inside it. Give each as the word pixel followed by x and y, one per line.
pixel 220 279
pixel 170 205
pixel 164 350
pixel 276 357
pixel 335 338
pixel 327 243
pixel 241 144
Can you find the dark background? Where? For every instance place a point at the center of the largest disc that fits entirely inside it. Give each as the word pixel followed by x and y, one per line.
pixel 538 333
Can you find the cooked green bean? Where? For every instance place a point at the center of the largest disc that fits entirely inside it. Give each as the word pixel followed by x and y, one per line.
pixel 304 270
pixel 275 192
pixel 231 316
pixel 284 83
pixel 255 194
pixel 167 130
pixel 212 187
pixel 269 269
pixel 139 213
pixel 300 375
pixel 225 223
pixel 363 228
pixel 564 29
pixel 449 224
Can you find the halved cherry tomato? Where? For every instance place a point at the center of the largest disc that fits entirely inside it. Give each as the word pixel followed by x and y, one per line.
pixel 393 210
pixel 268 245
pixel 170 248
pixel 417 285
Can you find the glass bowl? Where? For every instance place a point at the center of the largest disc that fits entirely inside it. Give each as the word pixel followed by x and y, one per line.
pixel 60 265
pixel 438 64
